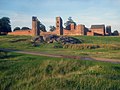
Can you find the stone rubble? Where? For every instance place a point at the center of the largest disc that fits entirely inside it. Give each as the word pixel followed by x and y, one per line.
pixel 56 38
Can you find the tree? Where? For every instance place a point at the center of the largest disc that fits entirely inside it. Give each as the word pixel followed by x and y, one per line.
pixel 52 28
pixel 41 27
pixel 25 28
pixel 16 28
pixel 5 25
pixel 70 21
pixel 116 33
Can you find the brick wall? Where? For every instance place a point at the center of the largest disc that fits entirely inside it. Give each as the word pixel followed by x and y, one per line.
pixel 72 26
pixel 90 33
pixel 21 32
pixel 74 29
pixel 33 32
pixel 100 31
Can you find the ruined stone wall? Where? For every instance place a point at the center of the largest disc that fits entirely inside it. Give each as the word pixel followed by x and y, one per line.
pixel 21 32
pixel 72 26
pixel 35 26
pixel 56 32
pixel 98 31
pixel 74 29
pixel 59 27
pixel 78 30
pixel 33 32
pixel 90 33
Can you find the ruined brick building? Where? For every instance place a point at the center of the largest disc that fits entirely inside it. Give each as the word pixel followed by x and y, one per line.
pixel 72 29
pixel 32 32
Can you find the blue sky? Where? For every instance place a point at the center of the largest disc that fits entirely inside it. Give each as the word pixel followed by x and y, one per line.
pixel 85 12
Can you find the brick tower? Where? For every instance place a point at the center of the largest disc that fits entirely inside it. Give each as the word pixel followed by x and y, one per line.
pixel 35 29
pixel 59 26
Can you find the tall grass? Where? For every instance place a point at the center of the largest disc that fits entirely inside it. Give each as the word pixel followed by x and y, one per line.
pixel 94 46
pixel 24 72
pixel 91 46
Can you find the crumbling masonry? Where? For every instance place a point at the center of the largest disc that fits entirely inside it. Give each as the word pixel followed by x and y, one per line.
pixel 71 30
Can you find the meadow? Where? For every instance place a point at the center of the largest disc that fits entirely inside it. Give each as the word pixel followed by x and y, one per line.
pixel 28 72
pixel 32 72
pixel 110 46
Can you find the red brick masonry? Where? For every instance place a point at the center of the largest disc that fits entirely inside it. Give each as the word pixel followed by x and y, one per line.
pixel 73 29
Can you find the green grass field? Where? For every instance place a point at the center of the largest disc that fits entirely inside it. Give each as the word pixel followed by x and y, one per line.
pixel 27 72
pixel 24 43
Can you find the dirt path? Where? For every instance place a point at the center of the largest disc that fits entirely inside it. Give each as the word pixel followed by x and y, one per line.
pixel 63 56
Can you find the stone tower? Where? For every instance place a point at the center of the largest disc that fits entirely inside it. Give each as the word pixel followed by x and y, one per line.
pixel 59 26
pixel 35 28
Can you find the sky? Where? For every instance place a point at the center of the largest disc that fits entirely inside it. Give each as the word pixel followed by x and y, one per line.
pixel 87 12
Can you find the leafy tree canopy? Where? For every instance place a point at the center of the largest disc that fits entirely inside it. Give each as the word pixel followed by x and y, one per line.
pixel 5 24
pixel 52 28
pixel 16 28
pixel 41 27
pixel 116 33
pixel 67 23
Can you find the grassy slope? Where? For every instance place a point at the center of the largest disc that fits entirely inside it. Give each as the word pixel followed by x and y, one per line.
pixel 6 42
pixel 24 72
